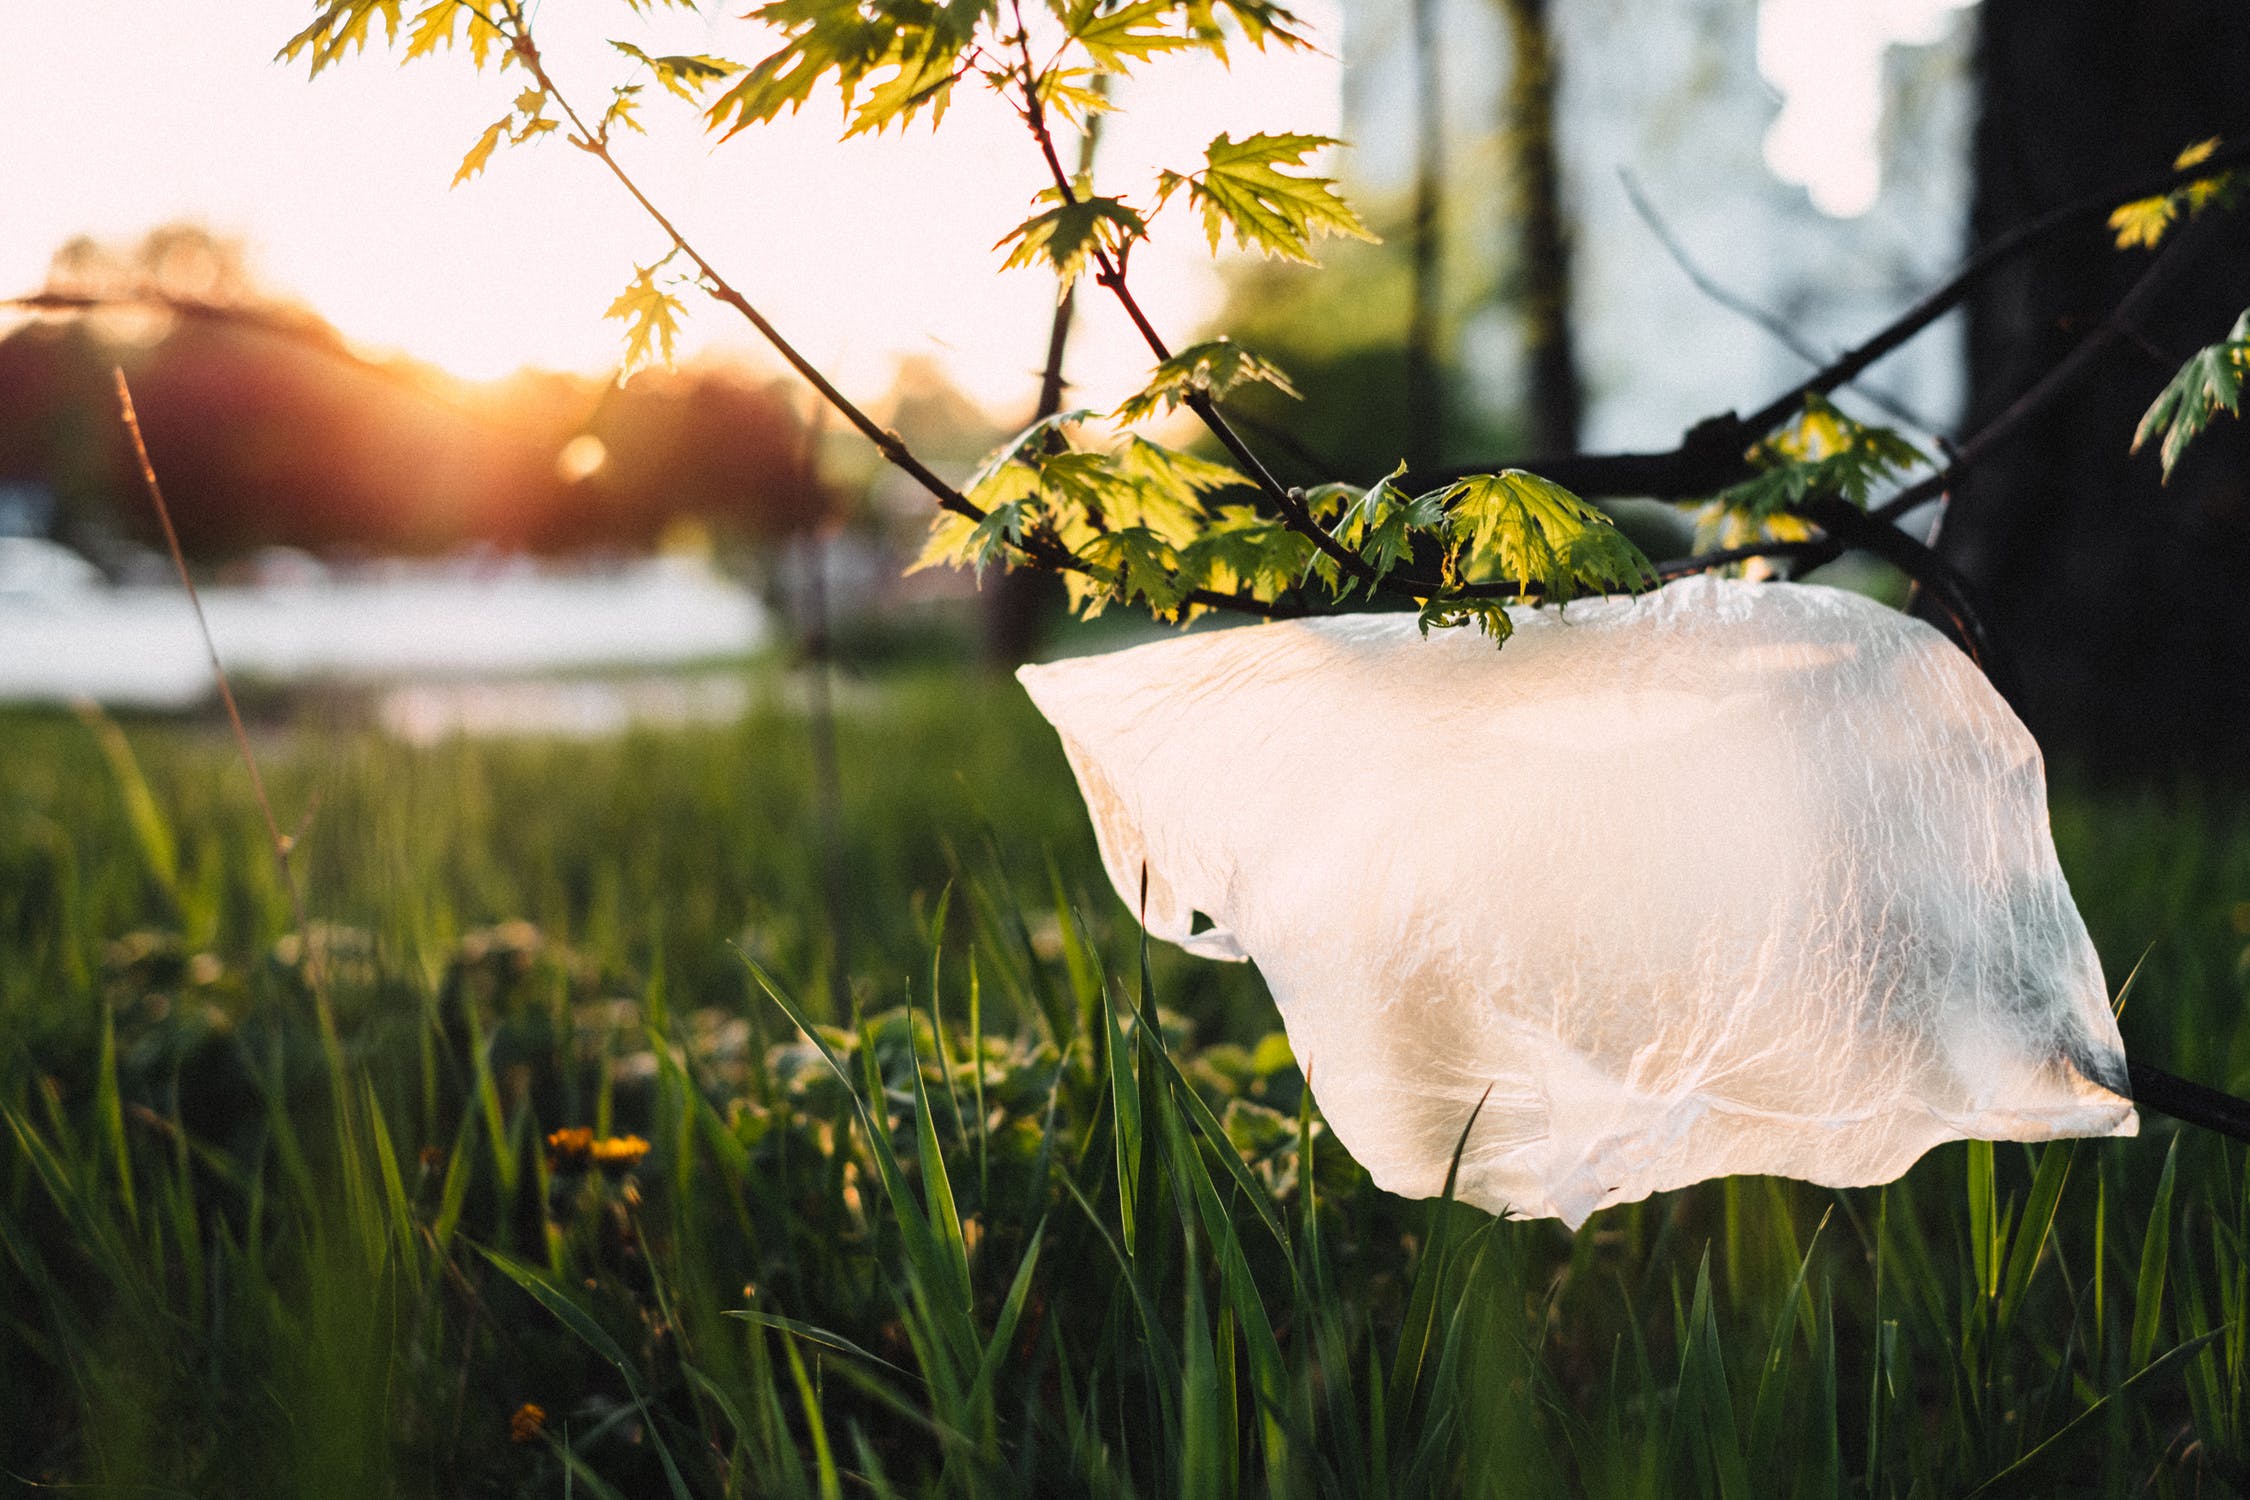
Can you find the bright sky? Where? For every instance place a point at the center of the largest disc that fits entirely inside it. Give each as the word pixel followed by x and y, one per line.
pixel 118 115
pixel 1825 57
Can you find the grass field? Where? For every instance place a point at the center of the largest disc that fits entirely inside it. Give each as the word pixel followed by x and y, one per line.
pixel 520 1177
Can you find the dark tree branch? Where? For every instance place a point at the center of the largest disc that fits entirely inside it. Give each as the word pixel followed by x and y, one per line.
pixel 1742 307
pixel 2092 208
pixel 2118 327
pixel 1700 466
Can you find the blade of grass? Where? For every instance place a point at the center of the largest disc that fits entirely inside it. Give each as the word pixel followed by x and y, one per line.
pixel 2088 1422
pixel 595 1337
pixel 2156 1253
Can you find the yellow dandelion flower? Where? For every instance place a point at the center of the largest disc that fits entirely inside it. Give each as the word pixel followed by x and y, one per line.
pixel 619 1153
pixel 570 1149
pixel 529 1421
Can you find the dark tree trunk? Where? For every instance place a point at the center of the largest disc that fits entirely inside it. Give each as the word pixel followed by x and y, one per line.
pixel 1543 233
pixel 2123 604
pixel 1425 409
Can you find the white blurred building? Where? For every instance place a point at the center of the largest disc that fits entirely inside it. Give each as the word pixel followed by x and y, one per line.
pixel 1682 95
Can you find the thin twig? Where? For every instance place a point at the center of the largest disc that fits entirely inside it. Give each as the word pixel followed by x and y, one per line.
pixel 282 844
pixel 1109 271
pixel 1742 307
pixel 1038 549
pixel 2089 208
pixel 2118 327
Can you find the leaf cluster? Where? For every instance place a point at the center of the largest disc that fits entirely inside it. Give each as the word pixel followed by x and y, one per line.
pixel 2145 221
pixel 2209 383
pixel 1819 451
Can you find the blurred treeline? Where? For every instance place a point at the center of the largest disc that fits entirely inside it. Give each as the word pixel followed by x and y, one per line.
pixel 268 429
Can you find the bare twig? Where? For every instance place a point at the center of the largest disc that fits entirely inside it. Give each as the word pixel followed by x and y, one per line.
pixel 2119 327
pixel 282 844
pixel 2090 208
pixel 1742 307
pixel 1040 550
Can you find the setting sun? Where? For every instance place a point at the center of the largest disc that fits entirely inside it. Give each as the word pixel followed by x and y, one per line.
pixel 863 251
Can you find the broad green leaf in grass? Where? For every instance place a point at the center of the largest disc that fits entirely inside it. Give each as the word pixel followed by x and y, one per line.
pixel 2033 1228
pixel 1768 1408
pixel 2033 1473
pixel 1068 234
pixel 815 1334
pixel 1212 368
pixel 1416 1332
pixel 1244 189
pixel 595 1337
pixel 2209 383
pixel 652 320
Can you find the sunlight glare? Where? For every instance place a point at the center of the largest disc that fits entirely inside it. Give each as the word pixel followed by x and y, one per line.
pixel 1826 59
pixel 862 251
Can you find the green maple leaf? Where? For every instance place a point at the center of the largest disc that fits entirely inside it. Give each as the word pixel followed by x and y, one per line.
pixel 1212 368
pixel 436 25
pixel 1451 612
pixel 1243 550
pixel 1067 235
pixel 1260 23
pixel 997 462
pixel 1138 564
pixel 2209 383
pixel 1516 525
pixel 1381 521
pixel 1129 34
pixel 1818 451
pixel 1242 189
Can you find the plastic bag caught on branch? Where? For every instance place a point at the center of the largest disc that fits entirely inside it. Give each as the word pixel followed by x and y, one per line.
pixel 1730 877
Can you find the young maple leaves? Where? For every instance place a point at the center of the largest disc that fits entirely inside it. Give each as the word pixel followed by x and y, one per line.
pixel 1128 520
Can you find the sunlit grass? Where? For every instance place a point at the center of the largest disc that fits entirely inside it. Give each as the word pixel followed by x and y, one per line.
pixel 994 1235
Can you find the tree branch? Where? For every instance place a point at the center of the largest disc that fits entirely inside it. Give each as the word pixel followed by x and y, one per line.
pixel 1040 551
pixel 1699 466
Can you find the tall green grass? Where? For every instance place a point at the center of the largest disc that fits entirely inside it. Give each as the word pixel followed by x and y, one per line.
pixel 1044 1213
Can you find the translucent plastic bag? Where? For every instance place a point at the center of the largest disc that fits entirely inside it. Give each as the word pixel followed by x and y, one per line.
pixel 1729 877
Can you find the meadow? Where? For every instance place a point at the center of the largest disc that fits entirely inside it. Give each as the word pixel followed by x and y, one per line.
pixel 559 1156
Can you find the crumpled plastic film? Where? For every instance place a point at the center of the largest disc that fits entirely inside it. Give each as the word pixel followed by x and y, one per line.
pixel 1731 877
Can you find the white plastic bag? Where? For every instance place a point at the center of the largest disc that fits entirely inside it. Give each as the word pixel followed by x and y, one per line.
pixel 1729 877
